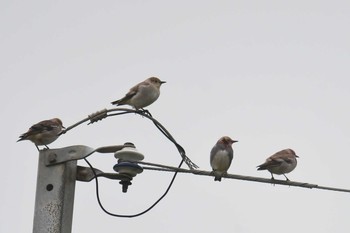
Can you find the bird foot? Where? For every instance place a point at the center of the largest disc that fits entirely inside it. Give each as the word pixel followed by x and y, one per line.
pixel 145 111
pixel 273 180
pixel 217 175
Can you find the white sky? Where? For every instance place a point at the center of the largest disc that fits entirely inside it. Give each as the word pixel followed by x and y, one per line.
pixel 271 74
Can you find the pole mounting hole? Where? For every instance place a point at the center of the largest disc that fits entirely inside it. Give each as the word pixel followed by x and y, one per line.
pixel 49 187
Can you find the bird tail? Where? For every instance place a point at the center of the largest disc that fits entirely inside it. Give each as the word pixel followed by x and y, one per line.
pixel 217 178
pixel 122 101
pixel 262 167
pixel 22 137
pixel 117 102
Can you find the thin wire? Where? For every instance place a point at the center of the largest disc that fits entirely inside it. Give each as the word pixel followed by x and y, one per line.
pixel 165 168
pixel 99 115
pixel 120 111
pixel 163 130
pixel 132 215
pixel 103 114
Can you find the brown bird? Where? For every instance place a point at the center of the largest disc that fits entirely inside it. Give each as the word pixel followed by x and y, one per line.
pixel 43 133
pixel 143 94
pixel 280 163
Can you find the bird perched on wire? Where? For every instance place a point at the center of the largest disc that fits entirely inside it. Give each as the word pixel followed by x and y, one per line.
pixel 43 133
pixel 221 156
pixel 142 95
pixel 280 163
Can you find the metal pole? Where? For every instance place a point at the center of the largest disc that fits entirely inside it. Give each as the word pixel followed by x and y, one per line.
pixel 54 196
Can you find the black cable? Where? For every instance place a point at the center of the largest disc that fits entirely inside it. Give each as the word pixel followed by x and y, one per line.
pixel 145 113
pixel 132 215
pixel 99 115
pixel 161 128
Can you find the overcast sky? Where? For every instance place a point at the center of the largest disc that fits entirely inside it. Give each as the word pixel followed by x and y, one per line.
pixel 270 74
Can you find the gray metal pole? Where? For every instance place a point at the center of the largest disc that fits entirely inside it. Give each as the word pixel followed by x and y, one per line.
pixel 54 196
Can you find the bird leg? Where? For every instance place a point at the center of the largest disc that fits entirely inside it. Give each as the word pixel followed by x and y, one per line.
pixel 272 179
pixel 286 177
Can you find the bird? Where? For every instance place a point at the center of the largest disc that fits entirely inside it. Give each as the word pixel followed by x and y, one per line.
pixel 221 156
pixel 43 133
pixel 280 163
pixel 142 94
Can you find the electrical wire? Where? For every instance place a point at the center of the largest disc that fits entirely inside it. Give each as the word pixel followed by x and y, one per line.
pixel 166 168
pixel 131 215
pixel 99 115
pixel 161 128
pixel 119 111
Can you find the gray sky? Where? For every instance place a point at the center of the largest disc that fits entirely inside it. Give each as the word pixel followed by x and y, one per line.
pixel 271 74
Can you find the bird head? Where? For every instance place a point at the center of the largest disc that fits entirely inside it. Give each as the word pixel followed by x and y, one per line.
pixel 156 81
pixel 226 140
pixel 59 122
pixel 292 152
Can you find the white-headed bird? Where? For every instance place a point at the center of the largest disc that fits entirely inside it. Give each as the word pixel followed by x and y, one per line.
pixel 221 156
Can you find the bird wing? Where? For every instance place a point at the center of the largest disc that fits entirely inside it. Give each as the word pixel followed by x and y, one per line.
pixel 213 152
pixel 271 162
pixel 132 92
pixel 40 127
pixel 277 159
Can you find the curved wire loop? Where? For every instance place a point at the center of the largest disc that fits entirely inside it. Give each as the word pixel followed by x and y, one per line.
pixel 99 115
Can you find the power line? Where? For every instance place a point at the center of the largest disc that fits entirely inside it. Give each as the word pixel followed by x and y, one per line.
pixel 99 115
pixel 159 167
pixel 193 167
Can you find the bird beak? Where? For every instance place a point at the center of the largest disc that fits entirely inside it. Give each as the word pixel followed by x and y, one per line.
pixel 296 156
pixel 233 141
pixel 161 82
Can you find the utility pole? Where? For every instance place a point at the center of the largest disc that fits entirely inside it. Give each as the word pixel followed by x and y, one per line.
pixel 58 173
pixel 54 196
